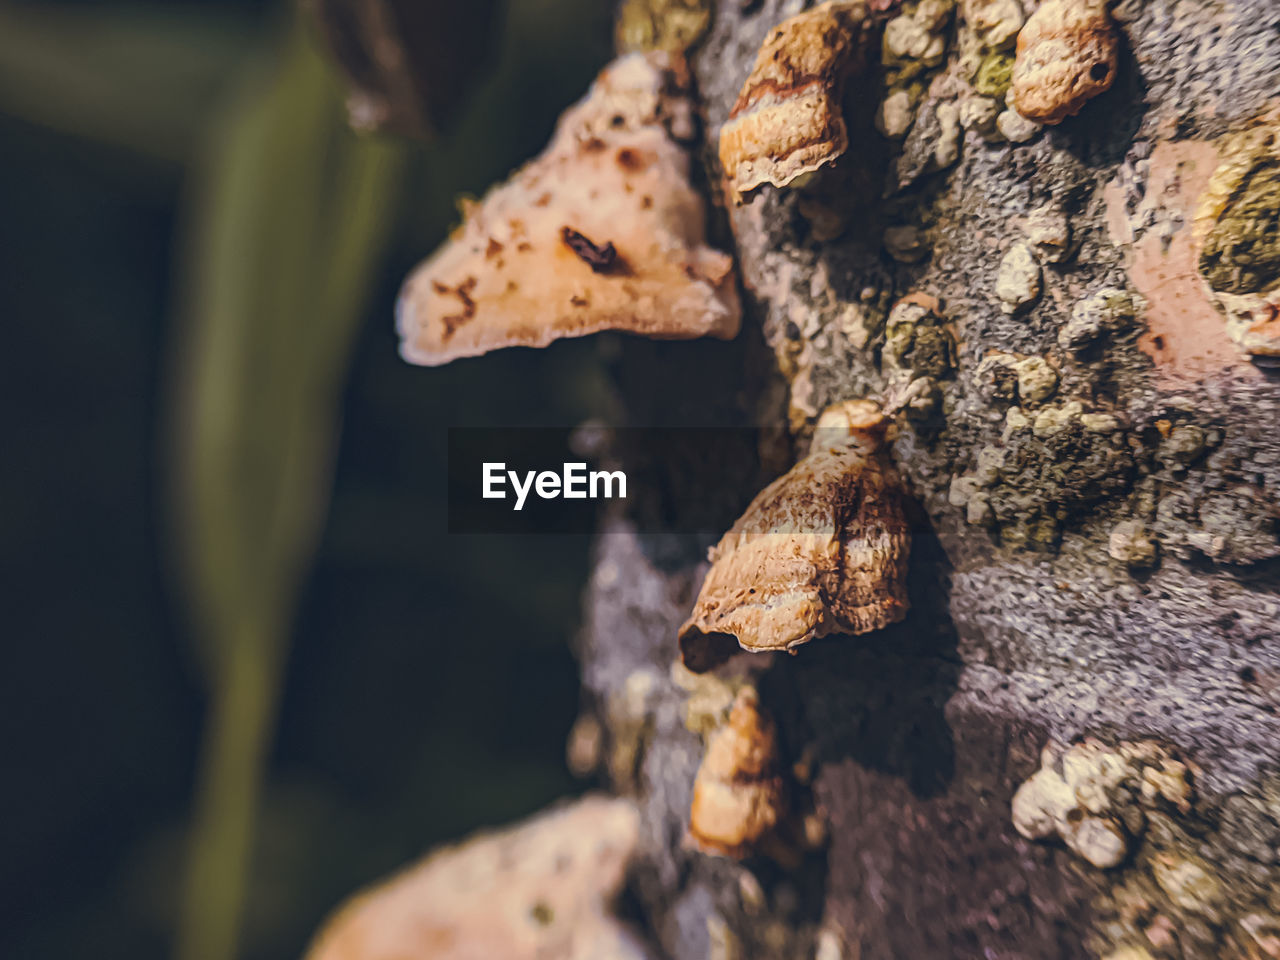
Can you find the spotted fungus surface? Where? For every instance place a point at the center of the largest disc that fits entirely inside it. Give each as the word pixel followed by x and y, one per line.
pixel 541 889
pixel 788 119
pixel 821 550
pixel 739 796
pixel 603 231
pixel 1067 55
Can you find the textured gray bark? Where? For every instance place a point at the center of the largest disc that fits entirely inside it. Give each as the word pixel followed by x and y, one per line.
pixel 1023 628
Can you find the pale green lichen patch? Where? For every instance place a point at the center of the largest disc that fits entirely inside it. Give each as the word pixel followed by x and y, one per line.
pixel 1095 797
pixel 1188 882
pixel 919 351
pixel 629 717
pixel 1019 279
pixel 915 40
pixel 1132 544
pixel 1109 310
pixel 710 697
pixel 994 75
pixel 994 23
pixel 662 24
pixel 1006 378
pixel 1190 878
pixel 1202 883
pixel 1054 466
pixel 913 47
pixel 1242 252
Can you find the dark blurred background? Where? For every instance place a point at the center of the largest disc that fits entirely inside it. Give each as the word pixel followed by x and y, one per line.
pixel 226 581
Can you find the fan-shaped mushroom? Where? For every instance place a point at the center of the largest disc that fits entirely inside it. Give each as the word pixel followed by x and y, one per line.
pixel 823 549
pixel 788 120
pixel 538 890
pixel 601 232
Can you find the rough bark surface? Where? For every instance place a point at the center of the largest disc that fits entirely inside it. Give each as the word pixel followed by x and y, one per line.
pixel 1024 627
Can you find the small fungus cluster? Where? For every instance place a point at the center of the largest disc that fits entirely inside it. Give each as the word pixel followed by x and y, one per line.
pixel 604 231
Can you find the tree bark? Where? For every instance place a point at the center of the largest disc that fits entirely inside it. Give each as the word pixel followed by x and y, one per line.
pixel 1044 619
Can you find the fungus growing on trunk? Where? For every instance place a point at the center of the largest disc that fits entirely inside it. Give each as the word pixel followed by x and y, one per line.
pixel 541 889
pixel 738 795
pixel 1067 54
pixel 601 232
pixel 788 120
pixel 821 550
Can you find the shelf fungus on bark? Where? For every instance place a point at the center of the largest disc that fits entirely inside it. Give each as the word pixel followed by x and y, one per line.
pixel 739 798
pixel 821 550
pixel 541 889
pixel 603 231
pixel 788 120
pixel 1067 54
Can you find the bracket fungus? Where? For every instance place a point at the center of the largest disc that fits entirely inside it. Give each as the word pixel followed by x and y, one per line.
pixel 541 889
pixel 821 550
pixel 788 119
pixel 603 231
pixel 738 795
pixel 1068 53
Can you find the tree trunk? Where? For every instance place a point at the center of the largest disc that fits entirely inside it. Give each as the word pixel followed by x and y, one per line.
pixel 1095 555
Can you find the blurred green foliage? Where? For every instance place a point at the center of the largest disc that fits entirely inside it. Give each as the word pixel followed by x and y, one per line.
pixel 137 77
pixel 423 684
pixel 293 215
